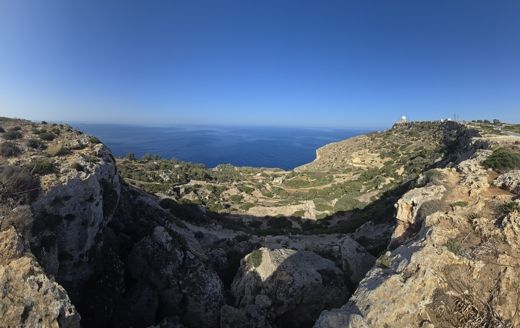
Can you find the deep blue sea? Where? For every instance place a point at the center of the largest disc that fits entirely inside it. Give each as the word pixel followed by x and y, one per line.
pixel 283 148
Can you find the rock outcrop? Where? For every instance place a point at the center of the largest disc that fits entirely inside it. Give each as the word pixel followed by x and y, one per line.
pixel 28 298
pixel 298 284
pixel 455 268
pixel 509 181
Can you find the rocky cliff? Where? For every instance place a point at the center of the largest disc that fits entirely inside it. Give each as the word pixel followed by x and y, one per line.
pixel 79 246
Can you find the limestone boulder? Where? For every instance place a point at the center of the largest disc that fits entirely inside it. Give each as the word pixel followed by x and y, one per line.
pixel 299 284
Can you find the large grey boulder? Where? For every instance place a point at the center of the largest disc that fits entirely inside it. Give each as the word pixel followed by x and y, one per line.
pixel 299 284
pixel 356 261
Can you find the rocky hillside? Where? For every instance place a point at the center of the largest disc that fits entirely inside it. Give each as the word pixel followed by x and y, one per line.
pixel 88 241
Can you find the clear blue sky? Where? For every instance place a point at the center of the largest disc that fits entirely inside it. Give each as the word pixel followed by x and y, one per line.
pixel 331 63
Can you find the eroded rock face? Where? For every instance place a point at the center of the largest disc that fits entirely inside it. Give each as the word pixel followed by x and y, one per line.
pixel 28 298
pixel 408 208
pixel 298 284
pixel 170 280
pixel 69 216
pixel 455 270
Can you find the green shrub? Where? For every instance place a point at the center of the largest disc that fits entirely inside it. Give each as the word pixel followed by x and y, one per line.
pixel 47 136
pixel 459 203
pixel 453 246
pixel 35 144
pixel 2 130
pixel 58 150
pixel 507 208
pixel 12 135
pixel 17 184
pixel 255 258
pixel 78 167
pixel 502 160
pixel 384 261
pixel 9 149
pixel 42 166
pixel 93 140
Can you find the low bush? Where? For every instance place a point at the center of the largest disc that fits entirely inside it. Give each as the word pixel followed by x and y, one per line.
pixel 47 136
pixel 9 149
pixel 2 130
pixel 17 184
pixel 93 140
pixel 502 160
pixel 507 208
pixel 16 128
pixel 42 166
pixel 453 246
pixel 58 150
pixel 12 135
pixel 35 144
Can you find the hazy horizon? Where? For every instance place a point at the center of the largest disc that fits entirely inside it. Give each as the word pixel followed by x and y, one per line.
pixel 338 64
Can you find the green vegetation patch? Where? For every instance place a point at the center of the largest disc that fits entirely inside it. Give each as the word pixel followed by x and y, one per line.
pixel 507 208
pixel 35 144
pixel 12 135
pixel 254 259
pixel 503 160
pixel 58 150
pixel 42 166
pixel 47 136
pixel 9 149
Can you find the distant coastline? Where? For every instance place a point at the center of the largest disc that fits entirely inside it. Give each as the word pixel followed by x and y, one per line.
pixel 276 147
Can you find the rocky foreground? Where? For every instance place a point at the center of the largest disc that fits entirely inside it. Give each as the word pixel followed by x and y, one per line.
pixel 79 246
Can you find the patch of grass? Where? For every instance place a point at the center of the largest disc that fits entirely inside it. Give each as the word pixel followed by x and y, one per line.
pixel 507 208
pixel 9 149
pixel 58 150
pixel 42 166
pixel 384 261
pixel 35 144
pixel 459 203
pixel 503 160
pixel 472 216
pixel 17 184
pixel 254 259
pixel 47 136
pixel 93 140
pixel 12 135
pixel 453 246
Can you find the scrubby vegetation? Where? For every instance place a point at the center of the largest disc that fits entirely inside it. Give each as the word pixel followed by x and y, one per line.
pixel 17 185
pixel 9 149
pixel 42 166
pixel 47 136
pixel 12 135
pixel 57 150
pixel 255 258
pixel 35 144
pixel 503 159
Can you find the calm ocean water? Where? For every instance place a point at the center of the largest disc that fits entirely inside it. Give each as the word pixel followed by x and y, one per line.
pixel 284 148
